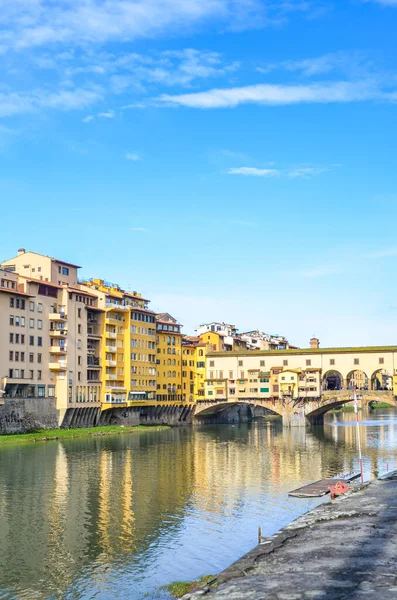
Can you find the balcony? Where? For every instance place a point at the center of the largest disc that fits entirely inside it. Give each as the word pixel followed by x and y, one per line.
pixel 57 316
pixel 116 387
pixel 111 335
pixel 93 379
pixel 59 333
pixel 58 349
pixel 114 306
pixel 110 363
pixel 58 366
pixel 110 348
pixel 93 361
pixel 93 332
pixel 110 376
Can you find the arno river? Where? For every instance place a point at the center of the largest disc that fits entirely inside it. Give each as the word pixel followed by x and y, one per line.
pixel 117 517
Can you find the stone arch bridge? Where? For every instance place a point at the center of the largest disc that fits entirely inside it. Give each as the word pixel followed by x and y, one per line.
pixel 300 411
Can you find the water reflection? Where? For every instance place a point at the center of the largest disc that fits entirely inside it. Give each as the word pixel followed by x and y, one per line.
pixel 116 517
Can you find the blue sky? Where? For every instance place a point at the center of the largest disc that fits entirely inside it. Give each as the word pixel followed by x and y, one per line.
pixel 232 159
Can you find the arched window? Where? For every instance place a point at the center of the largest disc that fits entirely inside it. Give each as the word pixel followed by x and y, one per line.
pixel 168 350
pixel 174 361
pixel 174 373
pixel 168 339
pixel 173 340
pixel 201 353
pixel 169 361
pixel 169 374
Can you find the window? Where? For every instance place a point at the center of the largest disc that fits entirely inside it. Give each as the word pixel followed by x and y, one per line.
pixel 264 390
pixel 11 319
pixel 39 324
pixel 240 363
pixel 11 355
pixel 39 307
pixel 331 361
pixel 200 365
pixel 356 361
pixel 51 391
pixel 65 271
pixel 31 357
pixel 242 374
pixel 31 323
pixel 230 374
pixel 262 363
pixel 31 375
pixel 79 360
pixel 11 338
pixel 22 321
pixel 381 361
pixel 31 340
pixel 308 362
pixel 39 341
pixel 220 374
pixel 79 376
pixel 39 358
pixel 38 374
pixel 78 328
pixel 275 388
pixel 31 306
pixel 16 373
pixel 285 363
pixel 11 302
pixel 79 313
pixel 22 339
pixel 41 390
pixel 17 338
pixel 17 356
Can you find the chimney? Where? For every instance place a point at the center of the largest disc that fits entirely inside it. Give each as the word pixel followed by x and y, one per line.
pixel 21 251
pixel 314 343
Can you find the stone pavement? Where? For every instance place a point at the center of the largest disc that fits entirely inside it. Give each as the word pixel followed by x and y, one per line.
pixel 343 549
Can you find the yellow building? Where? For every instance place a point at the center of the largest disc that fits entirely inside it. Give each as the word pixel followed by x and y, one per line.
pixel 289 383
pixel 169 359
pixel 128 355
pixel 194 367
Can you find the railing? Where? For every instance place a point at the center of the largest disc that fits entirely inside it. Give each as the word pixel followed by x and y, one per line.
pixel 111 348
pixel 113 305
pixel 93 361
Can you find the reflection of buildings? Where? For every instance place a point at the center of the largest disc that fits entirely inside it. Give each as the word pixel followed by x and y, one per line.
pixel 86 508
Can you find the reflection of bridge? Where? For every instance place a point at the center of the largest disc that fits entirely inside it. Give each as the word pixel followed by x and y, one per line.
pixel 301 411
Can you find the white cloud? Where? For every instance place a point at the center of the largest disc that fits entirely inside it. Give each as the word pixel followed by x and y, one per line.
pixel 68 99
pixel 87 119
pixel 306 172
pixel 107 115
pixel 276 95
pixel 132 156
pixel 353 63
pixel 252 171
pixel 33 23
pixel 143 229
pixel 382 253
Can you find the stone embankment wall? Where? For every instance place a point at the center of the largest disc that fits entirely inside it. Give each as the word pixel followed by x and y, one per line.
pixel 21 415
pixel 148 415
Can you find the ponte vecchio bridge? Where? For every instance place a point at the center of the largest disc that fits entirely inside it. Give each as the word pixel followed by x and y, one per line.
pixel 300 385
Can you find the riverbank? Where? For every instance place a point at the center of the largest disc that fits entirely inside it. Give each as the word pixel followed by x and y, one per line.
pixel 46 435
pixel 342 549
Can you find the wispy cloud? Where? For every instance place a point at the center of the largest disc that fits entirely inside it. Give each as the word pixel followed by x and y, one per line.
pixel 142 229
pixel 352 63
pixel 248 224
pixel 303 172
pixel 29 24
pixel 132 156
pixel 15 103
pixel 382 253
pixel 87 119
pixel 306 172
pixel 321 271
pixel 277 95
pixel 107 115
pixel 254 172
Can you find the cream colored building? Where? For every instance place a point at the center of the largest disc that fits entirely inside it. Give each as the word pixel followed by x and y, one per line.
pixel 258 373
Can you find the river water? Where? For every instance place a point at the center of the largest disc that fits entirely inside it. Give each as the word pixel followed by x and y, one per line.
pixel 118 517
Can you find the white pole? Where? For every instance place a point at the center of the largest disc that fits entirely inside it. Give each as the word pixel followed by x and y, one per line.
pixel 358 434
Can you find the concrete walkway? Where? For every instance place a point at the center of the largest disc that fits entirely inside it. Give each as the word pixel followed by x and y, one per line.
pixel 344 549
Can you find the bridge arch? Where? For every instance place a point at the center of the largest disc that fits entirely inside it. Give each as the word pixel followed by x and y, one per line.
pixel 333 381
pixel 382 380
pixel 213 407
pixel 357 378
